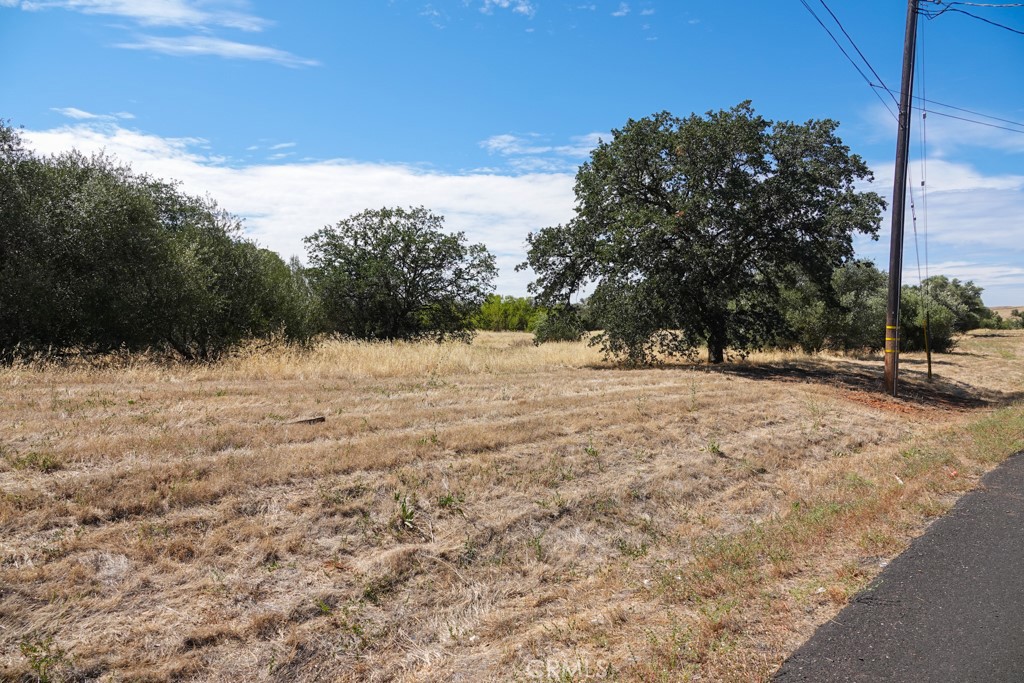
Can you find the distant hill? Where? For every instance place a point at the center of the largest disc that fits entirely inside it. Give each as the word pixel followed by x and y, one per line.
pixel 1005 311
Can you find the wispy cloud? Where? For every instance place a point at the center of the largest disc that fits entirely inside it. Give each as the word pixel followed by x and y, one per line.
pixel 622 11
pixel 203 19
pixel 180 13
pixel 524 7
pixel 436 17
pixel 188 46
pixel 82 115
pixel 532 152
pixel 283 145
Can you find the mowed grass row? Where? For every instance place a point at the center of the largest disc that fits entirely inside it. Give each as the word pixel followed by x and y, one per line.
pixel 491 512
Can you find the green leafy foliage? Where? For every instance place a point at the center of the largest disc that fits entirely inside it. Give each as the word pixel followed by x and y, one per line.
pixel 395 274
pixel 692 228
pixel 507 314
pixel 94 257
pixel 558 324
pixel 850 317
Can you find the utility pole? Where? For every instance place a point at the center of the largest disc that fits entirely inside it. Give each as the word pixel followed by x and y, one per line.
pixel 899 197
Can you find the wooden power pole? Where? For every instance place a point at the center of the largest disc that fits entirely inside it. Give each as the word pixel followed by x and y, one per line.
pixel 899 197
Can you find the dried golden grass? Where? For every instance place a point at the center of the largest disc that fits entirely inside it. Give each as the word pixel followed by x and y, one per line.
pixel 488 512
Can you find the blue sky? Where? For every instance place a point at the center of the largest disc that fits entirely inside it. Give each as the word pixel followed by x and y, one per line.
pixel 294 115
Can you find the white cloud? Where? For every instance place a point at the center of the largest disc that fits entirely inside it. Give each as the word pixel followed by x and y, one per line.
pixel 646 13
pixel 180 13
pixel 622 11
pixel 202 17
pixel 531 152
pixel 283 145
pixel 971 229
pixel 187 46
pixel 82 115
pixel 284 202
pixel 523 7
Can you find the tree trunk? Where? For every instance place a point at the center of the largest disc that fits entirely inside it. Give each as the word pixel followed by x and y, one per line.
pixel 716 342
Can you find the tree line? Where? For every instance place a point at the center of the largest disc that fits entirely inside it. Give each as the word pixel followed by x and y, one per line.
pixel 726 231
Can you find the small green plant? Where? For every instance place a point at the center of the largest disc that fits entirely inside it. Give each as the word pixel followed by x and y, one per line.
pixel 406 518
pixel 594 454
pixel 432 440
pixel 714 448
pixel 39 462
pixel 451 501
pixel 44 657
pixel 323 606
pixel 633 550
pixel 693 394
pixel 536 545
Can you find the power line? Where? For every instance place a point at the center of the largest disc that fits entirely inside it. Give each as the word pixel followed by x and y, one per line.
pixel 1003 5
pixel 932 14
pixel 980 123
pixel 849 58
pixel 892 93
pixel 852 42
pixel 966 111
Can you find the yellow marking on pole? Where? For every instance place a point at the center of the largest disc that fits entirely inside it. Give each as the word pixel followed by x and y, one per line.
pixel 891 327
pixel 890 350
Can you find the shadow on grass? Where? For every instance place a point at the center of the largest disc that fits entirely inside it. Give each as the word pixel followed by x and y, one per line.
pixel 914 387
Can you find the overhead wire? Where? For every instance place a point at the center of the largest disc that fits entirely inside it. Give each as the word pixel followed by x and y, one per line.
pixel 850 59
pixel 980 123
pixel 854 43
pixel 956 108
pixel 948 7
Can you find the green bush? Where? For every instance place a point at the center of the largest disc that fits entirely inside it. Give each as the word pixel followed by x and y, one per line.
pixel 507 314
pixel 557 325
pixel 95 258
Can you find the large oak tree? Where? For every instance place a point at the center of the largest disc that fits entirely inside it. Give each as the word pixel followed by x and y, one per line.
pixel 691 227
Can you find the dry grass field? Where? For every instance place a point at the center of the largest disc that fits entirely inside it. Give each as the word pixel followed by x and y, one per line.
pixel 494 512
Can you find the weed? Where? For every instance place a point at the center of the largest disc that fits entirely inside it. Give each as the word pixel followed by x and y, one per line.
pixel 45 657
pixel 469 553
pixel 432 440
pixel 452 501
pixel 39 462
pixel 633 550
pixel 406 517
pixel 642 402
pixel 379 588
pixel 714 448
pixel 558 503
pixel 594 454
pixel 535 544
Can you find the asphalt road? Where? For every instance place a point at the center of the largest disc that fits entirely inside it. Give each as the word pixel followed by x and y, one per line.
pixel 950 608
